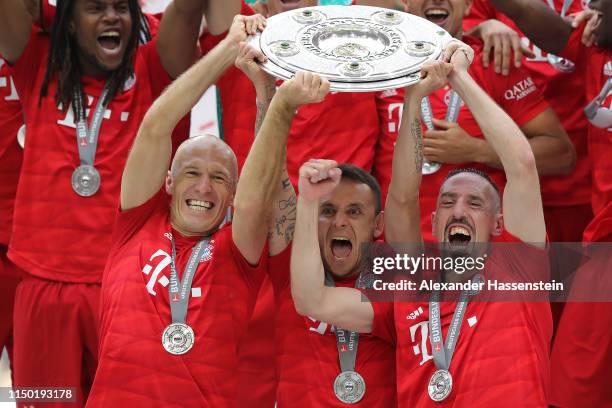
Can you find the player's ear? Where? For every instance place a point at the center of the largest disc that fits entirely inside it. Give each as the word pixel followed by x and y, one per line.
pixel 379 224
pixel 498 226
pixel 169 183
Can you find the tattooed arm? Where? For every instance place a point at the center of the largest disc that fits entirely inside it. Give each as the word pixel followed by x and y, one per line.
pixel 402 207
pixel 266 162
pixel 282 219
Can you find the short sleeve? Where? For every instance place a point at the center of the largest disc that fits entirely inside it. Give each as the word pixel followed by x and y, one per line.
pixel 149 57
pixel 279 269
pixel 253 274
pixel 383 325
pixel 129 222
pixel 25 70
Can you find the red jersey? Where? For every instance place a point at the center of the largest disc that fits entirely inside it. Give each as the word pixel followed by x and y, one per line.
pixel 134 369
pixel 11 154
pixel 501 355
pixel 563 90
pixel 344 127
pixel 57 234
pixel 516 93
pixel 594 64
pixel 307 355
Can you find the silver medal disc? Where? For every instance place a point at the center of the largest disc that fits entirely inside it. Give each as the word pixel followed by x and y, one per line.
pixel 178 338
pixel 85 180
pixel 440 385
pixel 349 387
pixel 21 136
pixel 357 48
pixel 430 167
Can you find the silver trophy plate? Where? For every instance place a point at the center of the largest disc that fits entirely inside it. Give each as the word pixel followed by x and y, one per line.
pixel 357 48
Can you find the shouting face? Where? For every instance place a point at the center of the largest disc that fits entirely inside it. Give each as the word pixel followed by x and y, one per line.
pixel 102 30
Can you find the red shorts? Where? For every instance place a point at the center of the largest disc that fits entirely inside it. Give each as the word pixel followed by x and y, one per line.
pixel 256 370
pixel 56 336
pixel 10 275
pixel 581 360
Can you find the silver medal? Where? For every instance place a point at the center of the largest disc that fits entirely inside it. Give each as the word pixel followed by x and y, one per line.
pixel 21 136
pixel 440 385
pixel 430 167
pixel 349 387
pixel 85 180
pixel 178 338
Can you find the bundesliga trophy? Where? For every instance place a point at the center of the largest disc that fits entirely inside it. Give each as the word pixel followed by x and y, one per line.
pixel 357 48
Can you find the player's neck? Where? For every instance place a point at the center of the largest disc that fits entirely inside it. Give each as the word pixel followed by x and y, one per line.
pixel 92 69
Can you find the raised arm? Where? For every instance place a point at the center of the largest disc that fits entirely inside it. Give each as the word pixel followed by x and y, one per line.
pixel 179 30
pixel 539 22
pixel 15 27
pixel 283 211
pixel 522 202
pixel 342 307
pixel 219 14
pixel 149 159
pixel 402 206
pixel 263 167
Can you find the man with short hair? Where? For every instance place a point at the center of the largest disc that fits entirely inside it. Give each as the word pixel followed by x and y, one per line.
pixel 179 287
pixel 84 88
pixel 467 213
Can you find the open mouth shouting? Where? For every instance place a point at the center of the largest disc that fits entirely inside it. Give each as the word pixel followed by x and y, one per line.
pixel 341 247
pixel 458 236
pixel 110 40
pixel 199 206
pixel 437 15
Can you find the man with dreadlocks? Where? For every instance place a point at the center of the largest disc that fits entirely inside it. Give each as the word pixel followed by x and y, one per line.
pixel 84 90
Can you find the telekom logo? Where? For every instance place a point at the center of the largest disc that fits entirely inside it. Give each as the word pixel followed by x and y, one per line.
pixel 162 260
pixel 420 348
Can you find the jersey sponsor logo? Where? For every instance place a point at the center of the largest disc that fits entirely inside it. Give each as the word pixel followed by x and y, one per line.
pixel 318 327
pixel 7 82
pixel 394 118
pixel 607 69
pixel 157 269
pixel 69 119
pixel 520 90
pixel 419 335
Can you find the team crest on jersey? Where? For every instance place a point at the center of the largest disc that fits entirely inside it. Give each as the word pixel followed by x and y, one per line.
pixel 129 83
pixel 607 69
pixel 447 98
pixel 208 251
